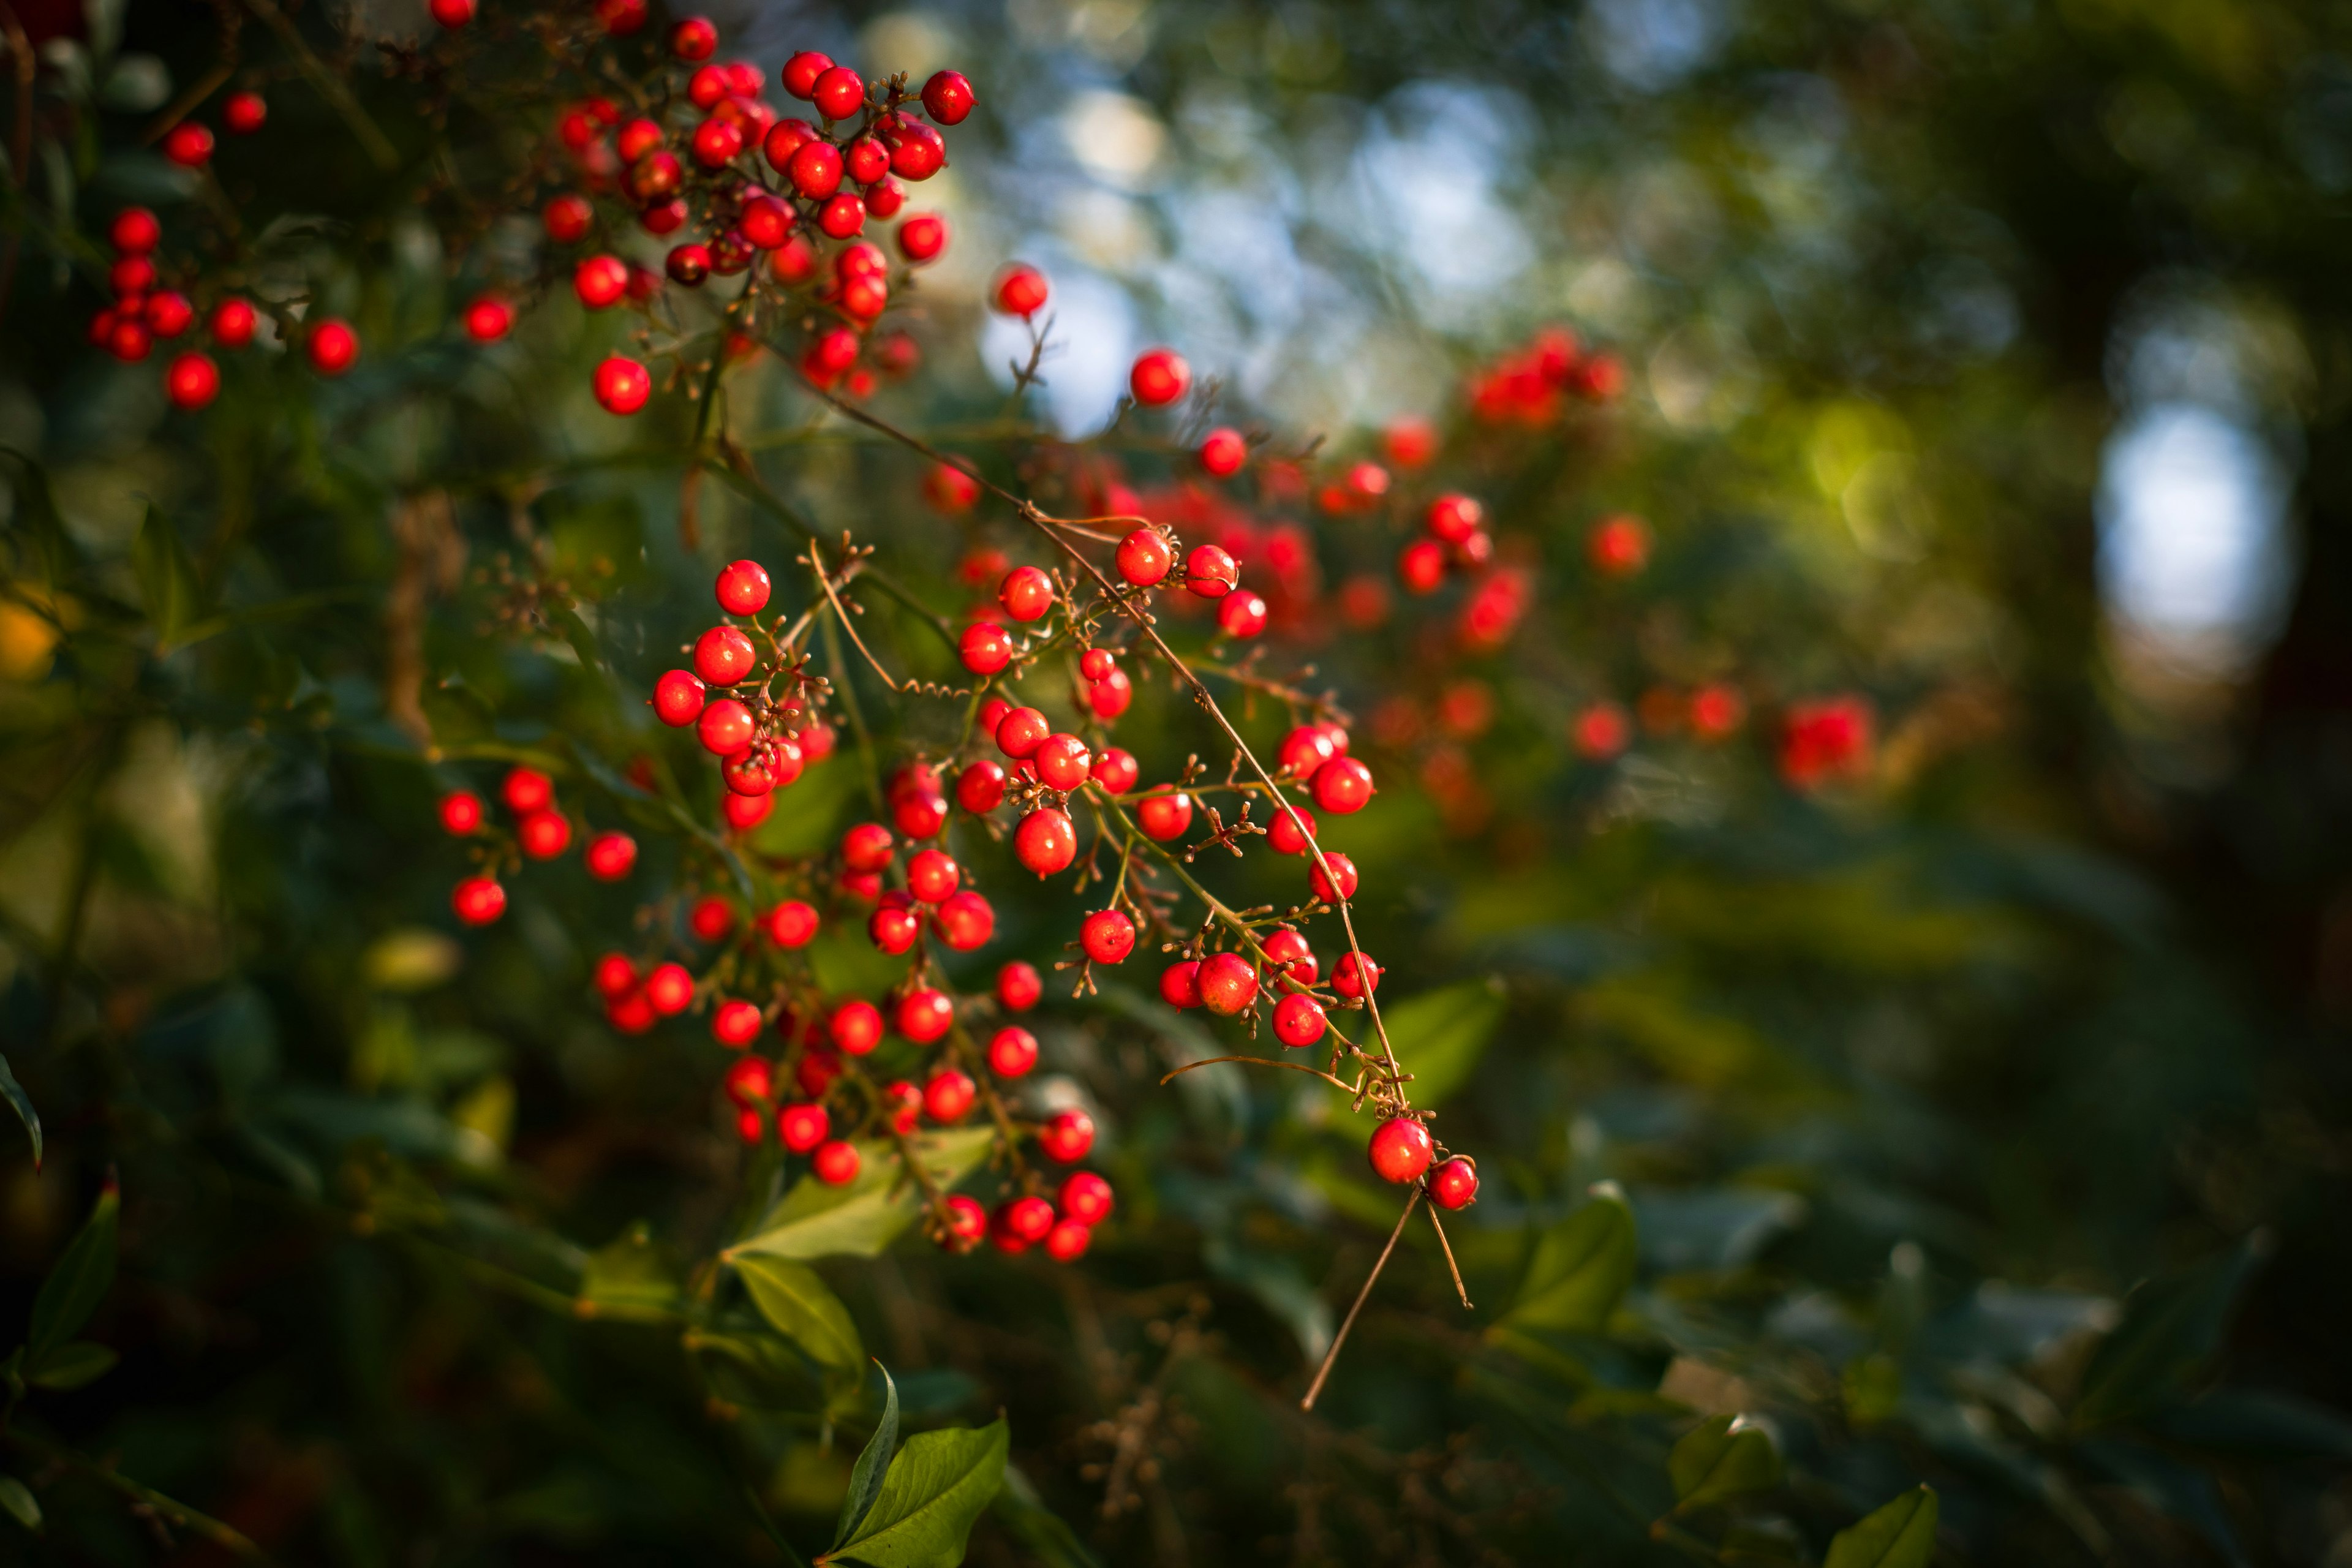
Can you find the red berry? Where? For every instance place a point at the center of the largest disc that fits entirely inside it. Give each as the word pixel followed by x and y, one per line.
pixel 461 811
pixel 332 347
pixel 489 318
pixel 135 231
pixel 1242 614
pixel 866 846
pixel 1222 452
pixel 687 264
pixel 921 236
pixel 1027 593
pixel 1019 290
pixel 906 1103
pixel 1228 985
pixel 1159 377
pixel 632 1014
pixel 1288 954
pixel 1067 1241
pixel 966 1223
pixel 1342 785
pixel 130 341
pixel 1454 1184
pixel 1116 769
pixel 725 727
pixel 479 900
pixel 1020 732
pixel 924 1015
pixel 1067 1136
pixel 527 790
pixel 188 145
pixel 1018 987
pixel 192 381
pixel 1046 841
pixel 1401 1149
pixel 932 875
pixel 1180 984
pixel 948 97
pixel 568 219
pixel 1107 936
pixel 986 648
pixel 1109 696
pixel 168 313
pixel 838 92
pixel 1304 750
pixel 802 1127
pixel 617 977
pixel 1354 975
pixel 656 177
pixel 1096 663
pixel 801 70
pixel 1012 1051
pixel 836 1163
pixel 1421 566
pixel 600 281
pixel 711 917
pixel 920 815
pixel 980 788
pixel 1455 517
pixel 867 161
pixel 638 140
pixel 856 1027
pixel 1144 557
pixel 736 1024
pixel 1292 829
pixel 669 989
pixel 843 216
pixel 622 385
pixel 916 152
pixel 1085 1197
pixel 1410 441
pixel 1602 732
pixel 723 656
pixel 544 835
pixel 611 856
pixel 791 924
pixel 1210 573
pixel 894 929
pixel 678 698
pixel 816 170
pixel 233 323
pixel 1298 1020
pixel 1618 546
pixel 1716 712
pixel 451 12
pixel 948 1095
pixel 694 40
pixel 746 812
pixel 742 588
pixel 816 1070
pixel 1062 762
pixel 1163 816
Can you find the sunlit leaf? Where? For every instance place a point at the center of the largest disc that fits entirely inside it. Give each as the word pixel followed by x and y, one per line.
pixel 1900 1535
pixel 935 1488
pixel 860 1218
pixel 873 1465
pixel 1440 1035
pixel 803 1307
pixel 1718 1459
pixel 1582 1268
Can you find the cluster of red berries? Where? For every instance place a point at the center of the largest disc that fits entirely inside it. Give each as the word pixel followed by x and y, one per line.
pixel 541 832
pixel 1530 386
pixel 763 737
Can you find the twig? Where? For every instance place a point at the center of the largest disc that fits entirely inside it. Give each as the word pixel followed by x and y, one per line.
pixel 1265 1062
pixel 330 87
pixel 1331 1355
pixel 1459 1288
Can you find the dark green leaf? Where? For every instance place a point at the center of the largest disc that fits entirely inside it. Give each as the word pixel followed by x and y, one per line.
pixel 167 578
pixel 1900 1535
pixel 873 1465
pixel 36 515
pixel 935 1488
pixel 1582 1268
pixel 1046 1534
pixel 78 1283
pixel 1439 1035
pixel 18 1500
pixel 1721 1459
pixel 14 1092
pixel 2171 1328
pixel 71 1364
pixel 629 1277
pixel 799 1306
pixel 859 1218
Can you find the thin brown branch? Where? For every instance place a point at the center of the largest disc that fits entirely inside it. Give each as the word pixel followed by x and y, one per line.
pixel 1339 1084
pixel 1330 1356
pixel 1459 1288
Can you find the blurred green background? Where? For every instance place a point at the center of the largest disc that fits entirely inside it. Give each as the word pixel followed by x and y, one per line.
pixel 1982 1124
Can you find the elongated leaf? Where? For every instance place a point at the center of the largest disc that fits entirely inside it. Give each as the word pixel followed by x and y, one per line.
pixel 2170 1329
pixel 22 1103
pixel 75 1285
pixel 1046 1534
pixel 71 1364
pixel 872 1464
pixel 859 1218
pixel 1721 1459
pixel 1439 1035
pixel 34 515
pixel 799 1306
pixel 935 1488
pixel 628 1278
pixel 1900 1535
pixel 1582 1268
pixel 18 1500
pixel 167 578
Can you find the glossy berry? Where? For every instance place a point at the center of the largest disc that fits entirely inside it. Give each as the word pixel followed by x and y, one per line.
pixel 736 1024
pixel 1210 573
pixel 1107 936
pixel 1180 984
pixel 801 70
pixel 616 976
pixel 451 12
pixel 694 40
pixel 1019 290
pixel 906 1103
pixel 1223 451
pixel 670 988
pixel 1109 696
pixel 916 152
pixel 1455 517
pixel 985 648
pixel 723 656
pixel 526 789
pixel 948 1095
pixel 802 1127
pixel 967 1224
pixel 600 281
pixel 1020 732
pixel 1163 816
pixel 1067 1136
pixel 632 1014
pixel 948 97
pixel 920 815
pixel 611 856
pixel 332 347
pixel 1298 1020
pixel 1068 1240
pixel 1116 769
pixel 1085 1197
pixel 1012 1051
pixel 843 216
pixel 1421 566
pixel 678 698
pixel 1046 841
pixel 1024 1222
pixel 489 318
pixel 1291 830
pixel 188 145
pixel 1228 984
pixel 461 811
pixel 932 875
pixel 233 323
pixel 1159 377
pixel 1287 955
pixel 1096 663
pixel 816 170
pixel 742 588
pixel 1063 761
pixel 838 92
pixel 725 727
pixel 1341 885
pixel 746 812
pixel 893 927
pixel 856 1027
pixel 1454 1184
pixel 689 264
pixel 479 900
pixel 921 236
pixel 168 313
pixel 622 385
pixel 135 231
pixel 191 381
pixel 980 788
pixel 1342 785
pixel 1242 613
pixel 866 846
pixel 1027 593
pixel 836 1163
pixel 568 219
pixel 711 917
pixel 924 1015
pixel 717 142
pixel 1401 1149
pixel 1145 558
pixel 1355 975
pixel 1018 987
pixel 791 924
pixel 544 835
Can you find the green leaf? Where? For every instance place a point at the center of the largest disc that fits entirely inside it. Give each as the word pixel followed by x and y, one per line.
pixel 1900 1535
pixel 74 1288
pixel 859 1218
pixel 35 516
pixel 1439 1035
pixel 798 1305
pixel 872 1464
pixel 629 1277
pixel 1582 1268
pixel 18 1500
pixel 2170 1329
pixel 23 1104
pixel 1721 1459
pixel 935 1488
pixel 167 578
pixel 71 1364
pixel 1046 1534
